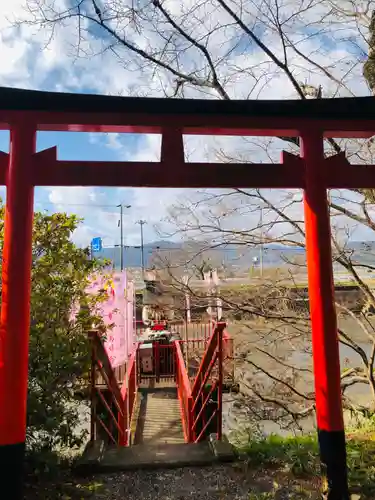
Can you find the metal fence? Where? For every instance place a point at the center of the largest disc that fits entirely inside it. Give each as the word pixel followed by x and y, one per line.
pixel 193 331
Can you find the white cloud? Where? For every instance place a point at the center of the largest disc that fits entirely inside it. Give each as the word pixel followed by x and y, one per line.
pixel 71 196
pixel 114 141
pixel 30 58
pixel 241 68
pixel 83 235
pixel 91 204
pixel 149 150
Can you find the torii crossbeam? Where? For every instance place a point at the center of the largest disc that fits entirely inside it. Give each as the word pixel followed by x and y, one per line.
pixel 25 113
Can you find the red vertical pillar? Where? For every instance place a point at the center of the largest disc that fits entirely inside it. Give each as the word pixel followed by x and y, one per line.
pixel 15 309
pixel 330 422
pixel 220 384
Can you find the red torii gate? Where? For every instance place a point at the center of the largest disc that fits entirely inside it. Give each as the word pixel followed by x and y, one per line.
pixel 26 112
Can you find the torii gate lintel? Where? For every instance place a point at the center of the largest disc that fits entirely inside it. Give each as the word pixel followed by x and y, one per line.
pixel 27 112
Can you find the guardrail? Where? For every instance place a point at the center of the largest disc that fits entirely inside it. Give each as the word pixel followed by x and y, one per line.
pixel 163 364
pixel 119 371
pixel 184 393
pixel 201 404
pixel 107 409
pixel 165 361
pixel 129 396
pixel 206 409
pixel 111 407
pixel 201 331
pixel 194 349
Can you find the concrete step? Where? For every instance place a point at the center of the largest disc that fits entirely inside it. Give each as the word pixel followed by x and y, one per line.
pixel 162 455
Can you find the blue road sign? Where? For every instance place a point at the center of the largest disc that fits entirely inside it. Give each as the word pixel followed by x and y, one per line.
pixel 96 244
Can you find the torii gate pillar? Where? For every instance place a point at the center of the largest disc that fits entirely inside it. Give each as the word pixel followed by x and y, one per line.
pixel 15 307
pixel 330 422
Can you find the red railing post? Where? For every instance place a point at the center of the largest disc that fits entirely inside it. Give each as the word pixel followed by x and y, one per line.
pixel 326 359
pixel 220 386
pixel 15 308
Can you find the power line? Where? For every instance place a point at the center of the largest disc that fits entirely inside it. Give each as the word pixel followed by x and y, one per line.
pixel 91 205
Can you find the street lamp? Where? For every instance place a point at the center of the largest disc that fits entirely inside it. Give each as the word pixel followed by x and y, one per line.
pixel 141 222
pixel 120 224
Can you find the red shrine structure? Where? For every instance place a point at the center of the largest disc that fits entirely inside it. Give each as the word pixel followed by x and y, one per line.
pixel 25 112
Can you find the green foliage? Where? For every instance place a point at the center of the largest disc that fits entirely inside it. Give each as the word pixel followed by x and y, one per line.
pixel 48 476
pixel 262 496
pixel 59 355
pixel 297 454
pixel 300 456
pixel 361 464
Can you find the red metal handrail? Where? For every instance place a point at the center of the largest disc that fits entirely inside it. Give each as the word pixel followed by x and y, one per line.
pixel 116 403
pixel 129 394
pixel 212 356
pixel 193 400
pixel 196 347
pixel 184 393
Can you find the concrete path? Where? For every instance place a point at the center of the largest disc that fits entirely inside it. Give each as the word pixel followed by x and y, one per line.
pixel 159 418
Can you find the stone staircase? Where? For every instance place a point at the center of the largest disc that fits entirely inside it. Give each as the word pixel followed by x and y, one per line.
pixel 158 440
pixel 159 418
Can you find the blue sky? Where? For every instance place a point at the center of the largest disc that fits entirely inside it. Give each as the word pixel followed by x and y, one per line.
pixel 90 202
pixel 31 59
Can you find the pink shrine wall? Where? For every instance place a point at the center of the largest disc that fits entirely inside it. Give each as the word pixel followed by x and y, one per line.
pixel 118 309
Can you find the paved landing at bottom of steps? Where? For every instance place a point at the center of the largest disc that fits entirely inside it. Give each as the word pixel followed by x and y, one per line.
pixel 154 456
pixel 149 456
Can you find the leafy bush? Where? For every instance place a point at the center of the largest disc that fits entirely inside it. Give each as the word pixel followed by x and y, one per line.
pixel 59 356
pixel 300 456
pixel 297 454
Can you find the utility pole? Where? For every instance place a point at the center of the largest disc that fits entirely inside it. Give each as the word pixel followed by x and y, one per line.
pixel 141 222
pixel 121 207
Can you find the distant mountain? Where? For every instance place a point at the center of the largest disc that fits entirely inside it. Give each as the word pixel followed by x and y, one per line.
pixel 236 257
pixel 132 255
